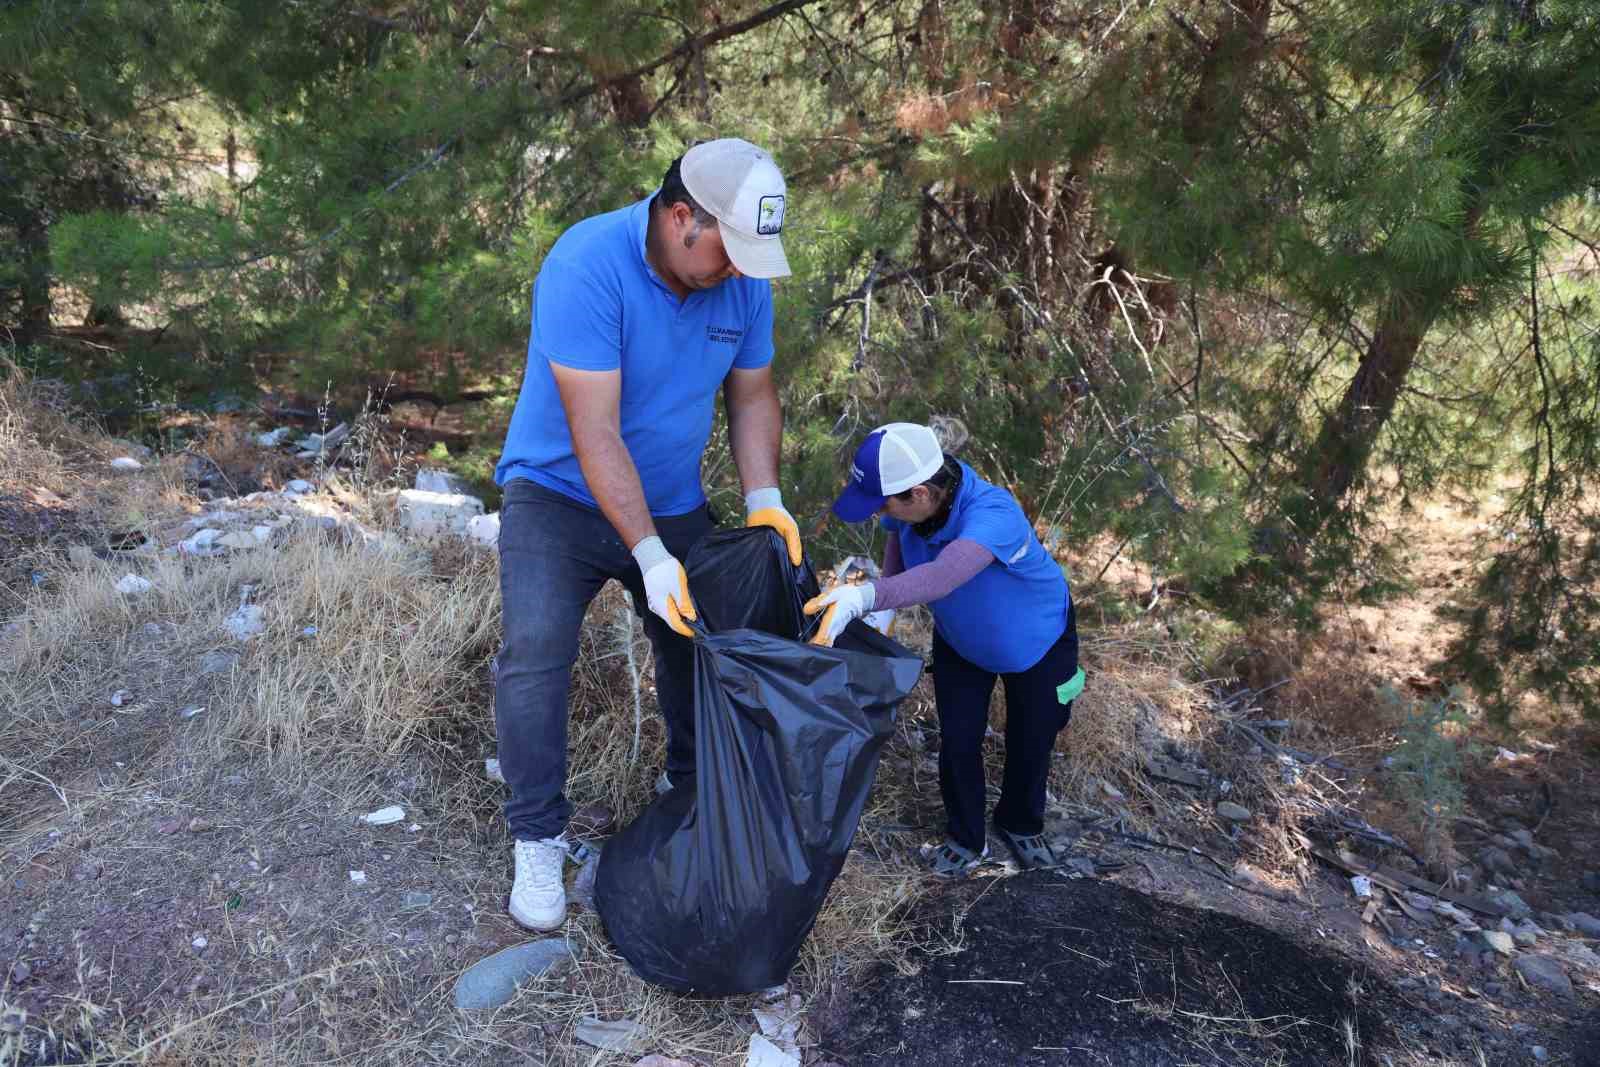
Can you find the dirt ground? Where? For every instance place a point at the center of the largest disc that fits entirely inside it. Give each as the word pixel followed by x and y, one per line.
pixel 177 885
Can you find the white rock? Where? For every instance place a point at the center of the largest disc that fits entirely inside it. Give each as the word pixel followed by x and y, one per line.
pixel 237 539
pixel 358 877
pixel 432 514
pixel 384 816
pixel 200 942
pixel 126 463
pixel 433 480
pixel 485 529
pixel 245 623
pixel 262 534
pixel 298 486
pixel 274 438
pixel 335 437
pixel 764 1053
pixel 131 584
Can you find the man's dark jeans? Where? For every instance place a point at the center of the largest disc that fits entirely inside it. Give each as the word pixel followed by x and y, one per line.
pixel 555 554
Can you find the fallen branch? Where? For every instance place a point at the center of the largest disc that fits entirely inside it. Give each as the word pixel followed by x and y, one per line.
pixel 1399 881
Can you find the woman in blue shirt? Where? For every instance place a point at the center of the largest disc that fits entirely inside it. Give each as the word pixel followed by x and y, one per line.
pixel 1001 609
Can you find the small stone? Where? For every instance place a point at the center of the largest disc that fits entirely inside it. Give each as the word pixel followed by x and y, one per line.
pixel 416 900
pixel 132 585
pixel 120 697
pixel 202 543
pixel 20 972
pixel 219 661
pixel 298 487
pixel 1499 940
pixel 1497 860
pixel 1539 1053
pixel 1232 812
pixel 1544 972
pixel 493 980
pixel 200 942
pixel 198 825
pixel 1584 923
pixel 358 877
pixel 126 463
pixel 1514 905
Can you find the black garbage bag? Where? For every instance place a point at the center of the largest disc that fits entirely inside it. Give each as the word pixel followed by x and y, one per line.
pixel 714 888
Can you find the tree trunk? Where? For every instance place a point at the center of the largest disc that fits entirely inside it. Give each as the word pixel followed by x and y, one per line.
pixel 1348 433
pixel 34 237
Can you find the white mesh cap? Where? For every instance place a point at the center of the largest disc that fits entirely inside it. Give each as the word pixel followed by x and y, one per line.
pixel 742 188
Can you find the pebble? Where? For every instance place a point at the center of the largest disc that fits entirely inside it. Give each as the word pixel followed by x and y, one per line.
pixel 218 661
pixel 1584 923
pixel 1540 1053
pixel 198 825
pixel 20 972
pixel 1497 860
pixel 416 900
pixel 200 942
pixel 1232 812
pixel 130 584
pixel 1544 972
pixel 1500 941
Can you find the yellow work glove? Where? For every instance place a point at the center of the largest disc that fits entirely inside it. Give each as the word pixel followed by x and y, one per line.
pixel 764 507
pixel 839 605
pixel 666 586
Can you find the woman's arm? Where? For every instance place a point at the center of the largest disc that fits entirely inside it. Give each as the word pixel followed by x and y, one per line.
pixel 958 564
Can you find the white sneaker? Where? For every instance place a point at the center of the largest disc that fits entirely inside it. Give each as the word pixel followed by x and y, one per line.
pixel 538 899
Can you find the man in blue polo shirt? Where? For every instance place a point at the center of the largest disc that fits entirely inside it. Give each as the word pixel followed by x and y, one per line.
pixel 641 317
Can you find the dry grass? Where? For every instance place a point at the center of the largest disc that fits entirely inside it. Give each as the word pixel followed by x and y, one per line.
pixel 311 727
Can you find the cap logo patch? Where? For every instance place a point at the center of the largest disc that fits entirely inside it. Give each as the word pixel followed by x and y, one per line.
pixel 769 216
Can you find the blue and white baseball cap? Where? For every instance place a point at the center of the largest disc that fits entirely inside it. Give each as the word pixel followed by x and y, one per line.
pixel 891 460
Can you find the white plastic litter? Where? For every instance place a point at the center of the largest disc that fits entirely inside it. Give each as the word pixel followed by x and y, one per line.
pixel 491 770
pixel 126 463
pixel 1362 886
pixel 131 584
pixel 384 816
pixel 358 877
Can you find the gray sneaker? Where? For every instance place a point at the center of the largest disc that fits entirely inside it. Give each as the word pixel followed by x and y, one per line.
pixel 950 860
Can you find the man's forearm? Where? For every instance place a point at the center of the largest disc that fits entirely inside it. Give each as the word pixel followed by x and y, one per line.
pixel 755 434
pixel 614 480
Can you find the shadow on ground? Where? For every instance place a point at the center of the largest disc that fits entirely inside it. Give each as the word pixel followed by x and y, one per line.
pixel 1055 971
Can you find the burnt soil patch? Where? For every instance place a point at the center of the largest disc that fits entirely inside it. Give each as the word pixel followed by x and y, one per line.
pixel 1102 974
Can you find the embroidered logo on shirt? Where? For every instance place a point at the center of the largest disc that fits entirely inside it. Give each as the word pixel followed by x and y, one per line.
pixel 725 335
pixel 1018 554
pixel 769 216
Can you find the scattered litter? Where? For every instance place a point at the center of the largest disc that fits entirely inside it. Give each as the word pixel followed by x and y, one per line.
pixel 308 631
pixel 189 713
pixel 416 899
pixel 493 980
pixel 130 584
pixel 1111 791
pixel 201 543
pixel 384 816
pixel 298 487
pixel 200 942
pixel 583 885
pixel 274 438
pixel 485 529
pixel 764 1053
pixel 613 1035
pixel 358 877
pixel 491 768
pixel 1362 886
pixel 198 825
pixel 126 463
pixel 1232 812
pixel 246 622
pixel 120 697
pixel 780 1024
pixel 413 828
pixel 1505 755
pixel 238 539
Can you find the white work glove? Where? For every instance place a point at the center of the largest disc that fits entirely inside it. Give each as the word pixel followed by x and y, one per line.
pixel 843 603
pixel 666 586
pixel 764 507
